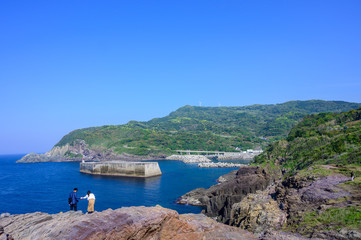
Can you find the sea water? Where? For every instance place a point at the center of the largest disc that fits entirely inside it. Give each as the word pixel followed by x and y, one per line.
pixel 45 187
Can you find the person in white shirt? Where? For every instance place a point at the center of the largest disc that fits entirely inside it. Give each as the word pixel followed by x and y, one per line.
pixel 91 201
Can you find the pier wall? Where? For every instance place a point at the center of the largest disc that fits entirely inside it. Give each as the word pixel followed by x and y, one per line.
pixel 117 168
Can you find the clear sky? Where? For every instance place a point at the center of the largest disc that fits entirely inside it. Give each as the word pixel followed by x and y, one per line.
pixel 66 65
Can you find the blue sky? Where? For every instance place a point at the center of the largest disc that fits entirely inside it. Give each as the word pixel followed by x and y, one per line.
pixel 73 64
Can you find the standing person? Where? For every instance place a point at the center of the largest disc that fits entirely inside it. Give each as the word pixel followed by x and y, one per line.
pixel 73 200
pixel 91 201
pixel 2 233
pixel 352 176
pixel 9 237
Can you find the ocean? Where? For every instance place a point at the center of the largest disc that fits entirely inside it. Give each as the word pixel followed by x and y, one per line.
pixel 45 187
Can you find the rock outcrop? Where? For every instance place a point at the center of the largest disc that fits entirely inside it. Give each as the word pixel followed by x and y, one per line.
pixel 303 194
pixel 218 199
pixel 80 150
pixel 125 223
pixel 287 202
pixel 227 177
pixel 258 212
pixel 299 194
pixel 35 157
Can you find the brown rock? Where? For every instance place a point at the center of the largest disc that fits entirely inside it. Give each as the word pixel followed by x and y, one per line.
pixel 124 223
pixel 257 213
pixel 218 199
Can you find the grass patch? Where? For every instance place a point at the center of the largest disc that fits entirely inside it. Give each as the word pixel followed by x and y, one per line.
pixel 337 200
pixel 334 218
pixel 316 171
pixel 356 183
pixel 69 154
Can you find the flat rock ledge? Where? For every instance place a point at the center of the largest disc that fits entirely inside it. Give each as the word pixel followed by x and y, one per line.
pixel 125 223
pixel 189 158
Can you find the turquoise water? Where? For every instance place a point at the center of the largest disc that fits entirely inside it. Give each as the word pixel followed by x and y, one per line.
pixel 45 187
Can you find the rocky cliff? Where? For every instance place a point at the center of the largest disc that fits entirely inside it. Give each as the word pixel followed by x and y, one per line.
pixel 326 207
pixel 80 150
pixel 125 223
pixel 218 199
pixel 258 212
pixel 319 203
pixel 319 206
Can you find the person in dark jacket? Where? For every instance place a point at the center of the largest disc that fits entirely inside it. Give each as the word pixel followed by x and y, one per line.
pixel 2 233
pixel 73 200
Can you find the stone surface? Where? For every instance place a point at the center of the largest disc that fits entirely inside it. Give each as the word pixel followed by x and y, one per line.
pixel 227 177
pixel 299 194
pixel 125 223
pixel 35 157
pixel 117 168
pixel 218 199
pixel 258 212
pixel 280 235
pixel 343 234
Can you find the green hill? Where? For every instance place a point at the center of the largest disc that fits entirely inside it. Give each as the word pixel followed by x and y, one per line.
pixel 205 128
pixel 325 138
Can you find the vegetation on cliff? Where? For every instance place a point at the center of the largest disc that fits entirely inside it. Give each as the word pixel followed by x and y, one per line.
pixel 320 148
pixel 204 128
pixel 325 138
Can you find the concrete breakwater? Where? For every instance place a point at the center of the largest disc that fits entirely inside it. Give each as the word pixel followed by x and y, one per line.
pixel 118 168
pixel 237 156
pixel 219 165
pixel 189 158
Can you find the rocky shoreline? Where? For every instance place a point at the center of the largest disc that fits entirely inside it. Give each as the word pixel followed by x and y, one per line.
pixel 259 201
pixel 219 199
pixel 252 202
pixel 81 151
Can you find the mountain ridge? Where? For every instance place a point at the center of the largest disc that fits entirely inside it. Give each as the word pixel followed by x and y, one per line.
pixel 227 129
pixel 246 124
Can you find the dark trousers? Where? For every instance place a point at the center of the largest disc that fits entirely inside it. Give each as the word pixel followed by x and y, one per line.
pixel 75 206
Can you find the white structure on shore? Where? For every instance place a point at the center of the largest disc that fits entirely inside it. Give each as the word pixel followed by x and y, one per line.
pixel 189 158
pixel 220 165
pixel 253 151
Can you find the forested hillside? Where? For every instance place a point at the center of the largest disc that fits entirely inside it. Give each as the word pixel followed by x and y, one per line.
pixel 321 164
pixel 325 138
pixel 205 128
